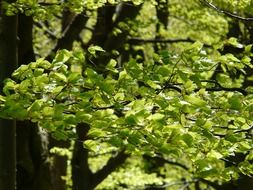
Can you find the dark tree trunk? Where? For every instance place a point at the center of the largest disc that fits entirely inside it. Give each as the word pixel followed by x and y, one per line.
pixel 82 177
pixel 162 13
pixel 104 25
pixel 81 173
pixel 59 165
pixel 107 39
pixel 71 32
pixel 33 168
pixel 8 62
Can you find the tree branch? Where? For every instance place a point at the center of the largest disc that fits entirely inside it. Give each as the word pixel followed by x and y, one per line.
pixel 70 34
pixel 46 30
pixel 141 41
pixel 135 41
pixel 161 160
pixel 242 91
pixel 227 13
pixel 112 164
pixel 210 183
pixel 165 185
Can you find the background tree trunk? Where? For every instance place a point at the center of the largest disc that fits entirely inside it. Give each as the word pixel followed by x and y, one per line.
pixel 8 62
pixel 33 167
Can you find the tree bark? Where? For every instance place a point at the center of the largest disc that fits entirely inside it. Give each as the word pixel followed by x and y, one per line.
pixel 110 41
pixel 162 14
pixel 82 177
pixel 8 62
pixel 59 164
pixel 70 34
pixel 33 167
pixel 81 173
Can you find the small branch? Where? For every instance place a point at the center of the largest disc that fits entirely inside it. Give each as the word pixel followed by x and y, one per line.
pixel 135 41
pixel 185 183
pixel 49 32
pixel 229 14
pixel 210 183
pixel 162 161
pixel 112 164
pixel 141 41
pixel 70 34
pixel 44 4
pixel 244 130
pixel 226 89
pixel 220 88
pixel 171 86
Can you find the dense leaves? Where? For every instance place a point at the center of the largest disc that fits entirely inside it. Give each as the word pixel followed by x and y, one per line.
pixel 183 111
pixel 162 108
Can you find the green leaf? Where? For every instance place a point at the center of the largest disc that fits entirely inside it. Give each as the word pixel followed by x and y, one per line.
pixel 134 139
pixel 93 49
pixel 91 145
pixel 62 56
pixel 57 90
pixel 170 150
pixel 188 139
pixel 44 63
pixel 60 77
pixel 38 72
pixel 74 77
pixel 215 154
pixel 164 70
pixel 59 135
pixel 95 132
pixel 24 86
pixel 20 71
pixel 116 141
pixel 111 66
pixel 36 106
pixel 234 42
pixel 84 117
pixel 156 116
pixel 131 120
pixel 153 84
pixel 9 86
pixel 134 69
pixel 48 111
pixel 194 100
pixel 235 102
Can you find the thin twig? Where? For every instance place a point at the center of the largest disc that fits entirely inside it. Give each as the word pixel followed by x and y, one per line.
pixel 227 13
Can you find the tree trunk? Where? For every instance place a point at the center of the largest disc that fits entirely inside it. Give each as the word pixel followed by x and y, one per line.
pixel 33 167
pixel 59 164
pixel 8 62
pixel 162 14
pixel 81 173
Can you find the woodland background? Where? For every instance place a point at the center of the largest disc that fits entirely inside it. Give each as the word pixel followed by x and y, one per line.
pixel 153 94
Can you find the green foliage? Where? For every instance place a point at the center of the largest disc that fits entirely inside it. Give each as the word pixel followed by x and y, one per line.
pixel 185 105
pixel 156 109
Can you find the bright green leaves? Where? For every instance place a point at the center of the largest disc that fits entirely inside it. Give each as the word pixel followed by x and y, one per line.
pixel 94 49
pixel 169 107
pixel 59 77
pixel 111 66
pixel 10 85
pixel 61 57
pixel 196 101
pixel 13 107
pixel 235 102
pixel 209 168
pixel 134 69
pixel 93 76
pixel 234 42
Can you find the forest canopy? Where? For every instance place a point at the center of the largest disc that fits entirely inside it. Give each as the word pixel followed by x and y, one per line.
pixel 153 94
